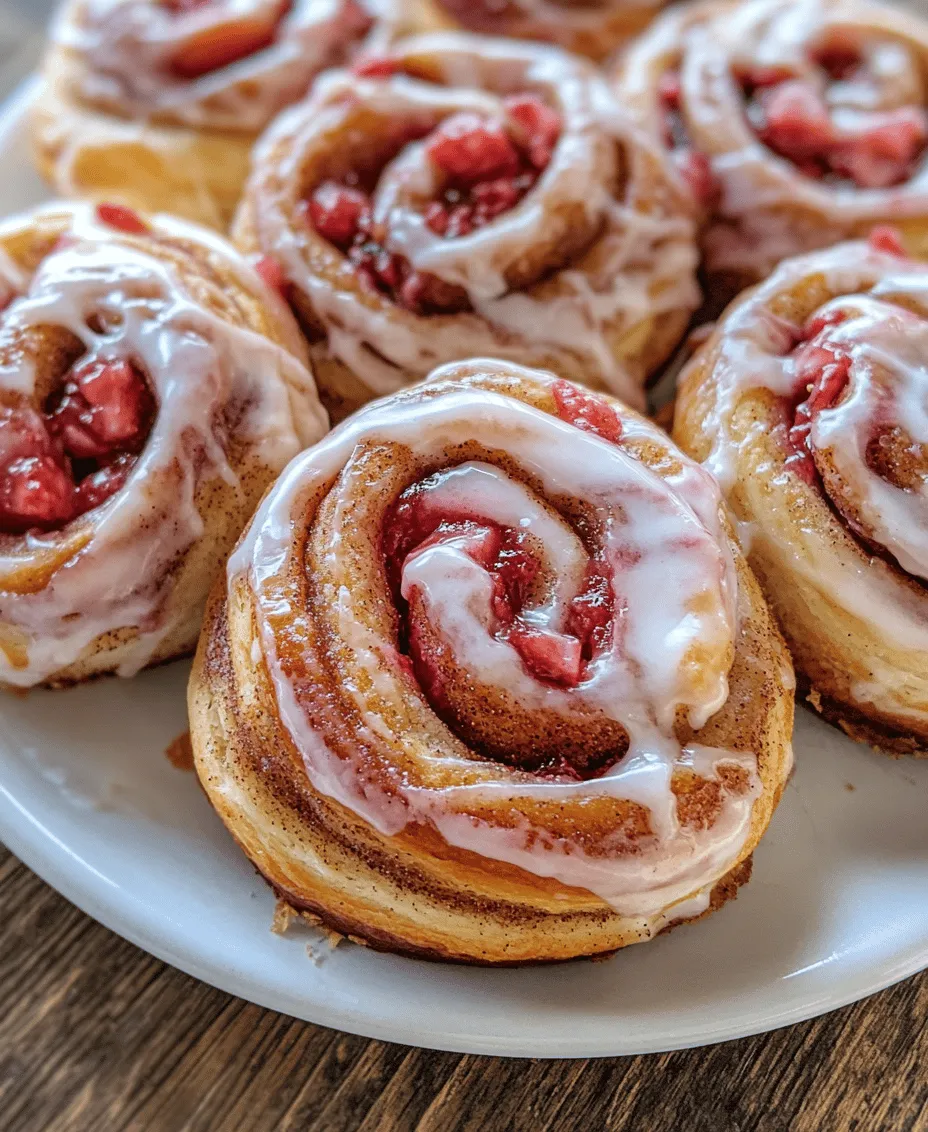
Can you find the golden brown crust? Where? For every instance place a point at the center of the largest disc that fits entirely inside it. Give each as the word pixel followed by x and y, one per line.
pixel 855 670
pixel 412 891
pixel 210 274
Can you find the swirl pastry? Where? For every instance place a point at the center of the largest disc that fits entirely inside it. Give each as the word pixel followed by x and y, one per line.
pixel 594 28
pixel 795 124
pixel 467 197
pixel 810 403
pixel 151 387
pixel 489 679
pixel 156 104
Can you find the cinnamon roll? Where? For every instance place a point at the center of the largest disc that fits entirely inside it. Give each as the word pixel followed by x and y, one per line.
pixel 465 196
pixel 156 104
pixel 152 385
pixel 809 404
pixel 795 124
pixel 489 680
pixel 594 28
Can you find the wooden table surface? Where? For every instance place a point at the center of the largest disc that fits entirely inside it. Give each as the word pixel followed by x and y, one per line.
pixel 97 1036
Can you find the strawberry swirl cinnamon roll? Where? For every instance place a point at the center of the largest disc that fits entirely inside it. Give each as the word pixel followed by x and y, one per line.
pixel 469 196
pixel 795 124
pixel 594 28
pixel 810 404
pixel 156 104
pixel 151 387
pixel 488 678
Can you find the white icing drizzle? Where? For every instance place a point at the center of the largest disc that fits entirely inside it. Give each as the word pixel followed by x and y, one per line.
pixel 125 49
pixel 888 381
pixel 769 209
pixel 197 363
pixel 641 261
pixel 673 569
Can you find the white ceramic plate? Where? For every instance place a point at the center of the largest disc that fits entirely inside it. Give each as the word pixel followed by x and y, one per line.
pixel 837 909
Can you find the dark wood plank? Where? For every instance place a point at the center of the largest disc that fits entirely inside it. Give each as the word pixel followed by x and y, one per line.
pixel 96 1035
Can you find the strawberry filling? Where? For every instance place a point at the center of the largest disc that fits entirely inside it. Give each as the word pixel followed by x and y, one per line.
pixel 822 371
pixel 694 166
pixel 485 167
pixel 225 42
pixel 122 218
pixel 586 411
pixel 70 458
pixel 872 149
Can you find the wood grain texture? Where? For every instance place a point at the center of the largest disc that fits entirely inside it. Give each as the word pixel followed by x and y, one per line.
pixel 96 1036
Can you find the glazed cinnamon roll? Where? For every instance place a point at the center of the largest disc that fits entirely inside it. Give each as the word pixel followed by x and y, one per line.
pixel 809 404
pixel 156 104
pixel 151 387
pixel 488 678
pixel 594 28
pixel 467 196
pixel 795 124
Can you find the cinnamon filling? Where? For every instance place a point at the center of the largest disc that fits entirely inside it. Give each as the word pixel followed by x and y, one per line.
pixel 485 168
pixel 233 37
pixel 559 659
pixel 78 451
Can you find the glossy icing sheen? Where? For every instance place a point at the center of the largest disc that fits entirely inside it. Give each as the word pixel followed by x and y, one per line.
pixel 197 363
pixel 768 208
pixel 887 386
pixel 641 261
pixel 127 48
pixel 670 558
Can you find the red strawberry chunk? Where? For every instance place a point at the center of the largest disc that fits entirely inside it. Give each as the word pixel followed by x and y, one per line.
pixel 105 407
pixel 696 170
pixel 885 238
pixel 884 149
pixel 35 491
pixel 368 66
pixel 669 90
pixel 101 484
pixel 592 611
pixel 840 60
pixel 470 149
pixel 125 219
pixel 586 411
pixel 540 125
pixel 272 272
pixel 552 656
pixel 795 121
pixel 337 212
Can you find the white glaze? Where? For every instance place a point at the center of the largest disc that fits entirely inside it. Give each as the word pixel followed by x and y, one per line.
pixel 641 262
pixel 197 363
pixel 769 210
pixel 125 47
pixel 676 574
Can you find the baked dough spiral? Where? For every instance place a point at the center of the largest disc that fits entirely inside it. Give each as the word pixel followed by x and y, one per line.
pixel 594 28
pixel 489 680
pixel 151 387
pixel 156 104
pixel 810 403
pixel 463 197
pixel 796 123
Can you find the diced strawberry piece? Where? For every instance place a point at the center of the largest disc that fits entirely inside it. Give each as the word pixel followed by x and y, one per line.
pixel 24 432
pixel 492 199
pixel 669 90
pixel 469 149
pixel 100 485
pixel 337 211
pixel 540 125
pixel 552 656
pixel 817 323
pixel 696 170
pixel 840 60
pixel 795 120
pixel 885 238
pixel 223 44
pixel 423 293
pixel 272 272
pixel 592 611
pixel 882 152
pixel 35 491
pixel 105 407
pixel 436 216
pixel 118 216
pixel 460 221
pixel 368 66
pixel 586 411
